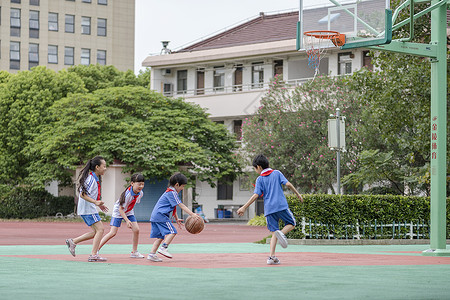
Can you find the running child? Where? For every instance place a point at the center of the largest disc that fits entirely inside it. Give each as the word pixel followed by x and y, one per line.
pixel 88 200
pixel 269 184
pixel 162 228
pixel 124 211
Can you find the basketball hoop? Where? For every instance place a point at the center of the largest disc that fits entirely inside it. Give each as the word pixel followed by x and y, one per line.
pixel 316 42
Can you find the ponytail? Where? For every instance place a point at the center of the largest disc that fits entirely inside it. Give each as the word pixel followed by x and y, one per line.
pixel 134 178
pixel 90 166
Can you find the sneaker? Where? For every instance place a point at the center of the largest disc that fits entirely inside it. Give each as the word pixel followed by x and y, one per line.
pixel 136 255
pixel 71 245
pixel 282 240
pixel 163 251
pixel 153 257
pixel 273 260
pixel 96 257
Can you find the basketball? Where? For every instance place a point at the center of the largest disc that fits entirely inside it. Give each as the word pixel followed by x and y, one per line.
pixel 194 225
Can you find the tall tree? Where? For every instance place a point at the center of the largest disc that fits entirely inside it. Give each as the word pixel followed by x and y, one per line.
pixel 146 131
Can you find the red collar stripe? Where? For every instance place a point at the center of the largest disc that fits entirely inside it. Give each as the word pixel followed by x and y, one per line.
pixel 267 173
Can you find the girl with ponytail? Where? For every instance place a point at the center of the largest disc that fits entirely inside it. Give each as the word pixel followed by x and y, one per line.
pixel 124 211
pixel 89 198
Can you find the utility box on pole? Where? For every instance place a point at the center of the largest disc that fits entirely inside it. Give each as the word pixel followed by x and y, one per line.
pixel 332 135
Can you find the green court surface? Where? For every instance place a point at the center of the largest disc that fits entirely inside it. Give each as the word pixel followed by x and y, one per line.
pixel 241 272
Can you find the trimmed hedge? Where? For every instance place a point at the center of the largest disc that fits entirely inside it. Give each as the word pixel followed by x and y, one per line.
pixel 26 203
pixel 348 215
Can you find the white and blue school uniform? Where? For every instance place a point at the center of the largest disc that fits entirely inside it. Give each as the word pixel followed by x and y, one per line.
pixel 88 210
pixel 160 218
pixel 269 185
pixel 128 206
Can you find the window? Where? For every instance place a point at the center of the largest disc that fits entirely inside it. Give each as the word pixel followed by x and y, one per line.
pixel 34 2
pixel 15 1
pixel 69 54
pixel 86 57
pixel 257 75
pixel 345 63
pixel 33 56
pixel 181 81
pixel 87 1
pixel 52 21
pixel 70 23
pixel 101 57
pixel 367 60
pixel 85 25
pixel 52 54
pixel 219 78
pixel 101 27
pixel 34 24
pixel 237 129
pixel 103 2
pixel 15 22
pixel 225 189
pixel 14 56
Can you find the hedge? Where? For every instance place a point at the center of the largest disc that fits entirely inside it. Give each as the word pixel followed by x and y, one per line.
pixel 361 216
pixel 27 203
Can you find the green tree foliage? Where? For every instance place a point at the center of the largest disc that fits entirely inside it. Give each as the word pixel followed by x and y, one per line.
pixel 290 128
pixel 24 101
pixel 146 131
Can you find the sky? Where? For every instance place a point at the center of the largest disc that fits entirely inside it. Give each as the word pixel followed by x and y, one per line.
pixel 184 21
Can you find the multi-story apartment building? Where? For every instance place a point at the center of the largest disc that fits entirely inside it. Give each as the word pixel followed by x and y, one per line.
pixel 62 33
pixel 229 72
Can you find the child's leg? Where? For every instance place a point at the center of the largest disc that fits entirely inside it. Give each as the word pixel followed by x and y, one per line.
pixel 112 233
pixel 273 244
pixel 98 234
pixel 156 246
pixel 287 228
pixel 169 238
pixel 84 237
pixel 135 229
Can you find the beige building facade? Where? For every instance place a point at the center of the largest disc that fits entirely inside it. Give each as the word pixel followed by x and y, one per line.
pixel 62 33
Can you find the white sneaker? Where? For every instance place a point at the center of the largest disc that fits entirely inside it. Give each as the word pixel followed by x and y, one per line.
pixel 71 245
pixel 282 240
pixel 273 260
pixel 136 255
pixel 163 251
pixel 96 257
pixel 153 257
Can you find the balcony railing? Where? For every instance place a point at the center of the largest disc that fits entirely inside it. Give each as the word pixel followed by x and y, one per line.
pixel 240 88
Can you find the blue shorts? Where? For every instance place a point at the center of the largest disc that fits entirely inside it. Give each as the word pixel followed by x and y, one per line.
pixel 117 221
pixel 273 219
pixel 161 229
pixel 91 219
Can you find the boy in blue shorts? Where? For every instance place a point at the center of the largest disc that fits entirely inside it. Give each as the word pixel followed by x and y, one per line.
pixel 162 227
pixel 269 185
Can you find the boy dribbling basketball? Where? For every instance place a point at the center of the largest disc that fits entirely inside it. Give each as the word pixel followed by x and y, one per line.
pixel 269 184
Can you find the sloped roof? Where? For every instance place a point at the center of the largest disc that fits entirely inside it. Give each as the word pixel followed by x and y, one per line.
pixel 265 28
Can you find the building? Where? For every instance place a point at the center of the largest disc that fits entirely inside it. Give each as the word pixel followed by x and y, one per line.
pixel 63 33
pixel 229 72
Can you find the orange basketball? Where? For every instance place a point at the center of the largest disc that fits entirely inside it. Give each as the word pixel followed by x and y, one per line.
pixel 194 225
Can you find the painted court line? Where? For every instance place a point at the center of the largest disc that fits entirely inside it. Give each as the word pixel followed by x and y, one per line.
pixel 258 260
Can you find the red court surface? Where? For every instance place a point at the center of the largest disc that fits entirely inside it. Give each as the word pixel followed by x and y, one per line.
pixel 55 233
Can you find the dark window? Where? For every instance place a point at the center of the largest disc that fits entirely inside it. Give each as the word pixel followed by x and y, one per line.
pixel 101 27
pixel 14 55
pixel 15 1
pixel 257 75
pixel 52 21
pixel 367 60
pixel 34 2
pixel 34 24
pixel 219 78
pixel 52 54
pixel 33 56
pixel 103 2
pixel 87 1
pixel 85 25
pixel 69 54
pixel 181 81
pixel 15 22
pixel 101 57
pixel 225 189
pixel 237 129
pixel 70 23
pixel 345 63
pixel 86 57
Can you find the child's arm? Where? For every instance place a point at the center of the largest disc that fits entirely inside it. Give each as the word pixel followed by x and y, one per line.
pixel 294 190
pixel 124 216
pixel 187 210
pixel 96 202
pixel 242 210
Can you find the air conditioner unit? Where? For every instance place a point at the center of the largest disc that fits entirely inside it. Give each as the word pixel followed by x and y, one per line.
pixel 166 72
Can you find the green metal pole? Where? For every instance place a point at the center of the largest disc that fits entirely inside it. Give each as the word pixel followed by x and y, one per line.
pixel 438 133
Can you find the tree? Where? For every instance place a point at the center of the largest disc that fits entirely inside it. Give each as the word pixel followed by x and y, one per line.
pixel 290 127
pixel 24 101
pixel 146 131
